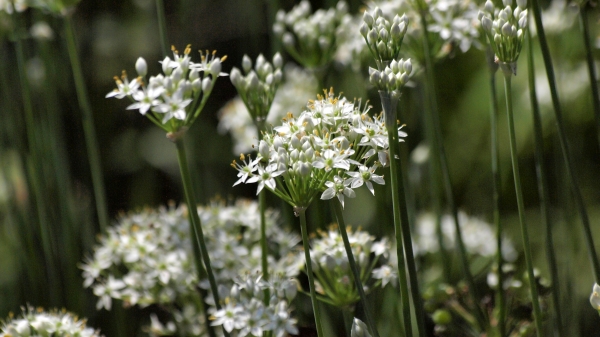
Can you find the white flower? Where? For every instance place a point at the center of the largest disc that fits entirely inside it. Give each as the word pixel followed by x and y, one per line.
pixel 364 176
pixel 146 99
pixel 124 87
pixel 231 316
pixel 265 176
pixel 385 273
pixel 173 106
pixel 37 322
pixel 337 187
pixel 595 297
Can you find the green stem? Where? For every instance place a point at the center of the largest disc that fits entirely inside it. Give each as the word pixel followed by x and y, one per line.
pixel 404 251
pixel 564 143
pixel 537 314
pixel 34 174
pixel 543 186
pixel 585 28
pixel 441 153
pixel 348 320
pixel 309 273
pixel 202 253
pixel 501 298
pixel 357 280
pixel 88 126
pixel 162 27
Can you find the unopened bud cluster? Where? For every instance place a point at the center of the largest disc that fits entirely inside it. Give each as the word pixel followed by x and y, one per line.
pixel 258 86
pixel 310 39
pixel 393 77
pixel 505 29
pixel 384 38
pixel 174 94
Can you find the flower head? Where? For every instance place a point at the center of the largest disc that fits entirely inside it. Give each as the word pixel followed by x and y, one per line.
pixel 37 322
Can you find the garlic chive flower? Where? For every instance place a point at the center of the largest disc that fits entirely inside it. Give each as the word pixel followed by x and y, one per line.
pixel 174 99
pixel 145 259
pixel 246 313
pixel 316 153
pixel 393 77
pixel 38 322
pixel 333 276
pixel 384 38
pixel 359 329
pixel 505 29
pixel 258 86
pixel 595 297
pixel 310 39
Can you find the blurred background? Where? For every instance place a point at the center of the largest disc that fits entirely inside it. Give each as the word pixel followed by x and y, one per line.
pixel 139 164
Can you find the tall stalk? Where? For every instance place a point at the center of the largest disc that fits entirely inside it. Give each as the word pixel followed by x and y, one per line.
pixel 566 153
pixel 309 272
pixel 162 27
pixel 401 224
pixel 441 153
pixel 537 314
pixel 88 125
pixel 501 298
pixel 355 272
pixel 589 57
pixel 200 254
pixel 543 186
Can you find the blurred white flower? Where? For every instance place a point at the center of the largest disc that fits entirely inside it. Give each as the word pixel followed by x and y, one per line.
pixel 37 322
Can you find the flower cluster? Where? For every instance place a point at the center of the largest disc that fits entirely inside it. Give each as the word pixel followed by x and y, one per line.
pixel 476 233
pixel 257 88
pixel 310 39
pixel 331 148
pixel 178 95
pixel 298 87
pixel 37 322
pixel 595 297
pixel 334 280
pixel 146 258
pixel 245 312
pixel 505 30
pixel 393 77
pixel 384 38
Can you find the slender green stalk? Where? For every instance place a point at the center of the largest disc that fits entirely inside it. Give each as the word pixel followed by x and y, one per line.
pixel 162 27
pixel 405 254
pixel 348 320
pixel 537 313
pixel 441 153
pixel 566 154
pixel 585 28
pixel 355 272
pixel 501 298
pixel 309 273
pixel 88 126
pixel 200 254
pixel 543 186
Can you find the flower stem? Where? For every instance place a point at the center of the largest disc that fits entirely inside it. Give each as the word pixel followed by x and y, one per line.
pixel 162 27
pixel 402 226
pixel 88 126
pixel 585 28
pixel 309 272
pixel 543 186
pixel 441 153
pixel 524 234
pixel 356 273
pixel 501 298
pixel 563 142
pixel 201 254
pixel 348 319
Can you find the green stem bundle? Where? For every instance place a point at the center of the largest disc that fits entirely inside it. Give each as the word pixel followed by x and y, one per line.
pixel 162 27
pixel 355 272
pixel 406 260
pixel 537 314
pixel 566 153
pixel 89 131
pixel 543 186
pixel 309 273
pixel 589 57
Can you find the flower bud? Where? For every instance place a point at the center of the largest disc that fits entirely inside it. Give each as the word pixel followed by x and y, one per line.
pixel 246 64
pixel 497 39
pixel 206 84
pixel 377 13
pixel 277 75
pixel 196 84
pixel 359 329
pixel 288 40
pixel 522 4
pixel 384 35
pixel 523 22
pixel 252 80
pixel 166 68
pixel 304 168
pixel 236 77
pixel 372 36
pixel 368 19
pixel 194 74
pixel 489 7
pixel 324 43
pixel 295 142
pixel 507 29
pixel 595 297
pixel 260 61
pixel 141 67
pixel 177 74
pixel 395 32
pixel 215 67
pixel 263 149
pixel 277 61
pixel 364 30
pixel 269 79
pixel 407 67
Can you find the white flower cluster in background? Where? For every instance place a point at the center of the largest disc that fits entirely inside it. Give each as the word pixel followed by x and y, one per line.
pixel 332 148
pixel 297 88
pixel 245 312
pixel 37 322
pixel 147 257
pixel 333 276
pixel 311 39
pixel 479 236
pixel 178 95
